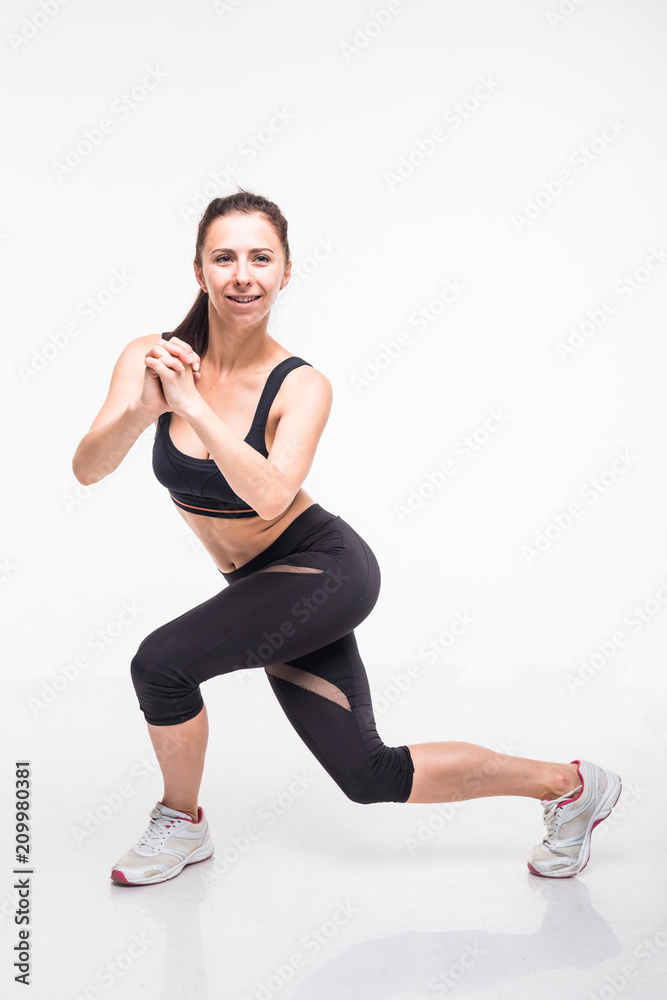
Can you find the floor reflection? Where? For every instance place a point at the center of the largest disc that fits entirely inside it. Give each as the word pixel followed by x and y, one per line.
pixel 417 963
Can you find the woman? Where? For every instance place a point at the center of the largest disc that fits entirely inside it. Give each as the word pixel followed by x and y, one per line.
pixel 299 579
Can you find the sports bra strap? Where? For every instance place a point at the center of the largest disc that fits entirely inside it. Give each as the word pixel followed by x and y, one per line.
pixel 273 383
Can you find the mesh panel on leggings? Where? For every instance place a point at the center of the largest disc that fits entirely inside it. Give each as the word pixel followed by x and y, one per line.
pixel 284 568
pixel 311 682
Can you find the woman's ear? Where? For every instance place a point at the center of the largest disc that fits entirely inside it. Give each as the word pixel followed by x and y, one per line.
pixel 199 276
pixel 286 275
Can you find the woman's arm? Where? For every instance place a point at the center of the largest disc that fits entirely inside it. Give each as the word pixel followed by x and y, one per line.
pixel 270 484
pixel 134 401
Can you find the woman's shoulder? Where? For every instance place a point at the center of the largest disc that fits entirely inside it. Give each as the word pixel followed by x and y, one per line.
pixel 307 372
pixel 129 369
pixel 306 384
pixel 147 339
pixel 139 346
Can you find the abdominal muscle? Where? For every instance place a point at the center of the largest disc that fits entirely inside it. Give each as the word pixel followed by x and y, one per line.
pixel 232 542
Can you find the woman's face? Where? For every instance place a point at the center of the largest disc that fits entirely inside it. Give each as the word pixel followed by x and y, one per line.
pixel 242 258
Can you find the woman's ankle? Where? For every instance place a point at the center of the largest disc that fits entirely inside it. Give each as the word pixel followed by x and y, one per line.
pixel 564 778
pixel 170 804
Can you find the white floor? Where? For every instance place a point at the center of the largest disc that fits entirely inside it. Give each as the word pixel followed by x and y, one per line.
pixel 312 895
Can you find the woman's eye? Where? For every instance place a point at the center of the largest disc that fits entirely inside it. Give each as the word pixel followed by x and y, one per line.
pixel 260 256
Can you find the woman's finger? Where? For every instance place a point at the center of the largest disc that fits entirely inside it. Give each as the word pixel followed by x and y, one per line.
pixel 183 350
pixel 168 364
pixel 169 359
pixel 154 362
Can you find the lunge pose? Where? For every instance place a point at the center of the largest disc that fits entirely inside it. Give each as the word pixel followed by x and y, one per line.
pixel 238 420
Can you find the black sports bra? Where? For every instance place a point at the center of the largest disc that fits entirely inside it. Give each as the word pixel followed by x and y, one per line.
pixel 196 484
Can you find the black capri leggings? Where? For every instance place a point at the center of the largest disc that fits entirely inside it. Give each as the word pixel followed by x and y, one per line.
pixel 292 610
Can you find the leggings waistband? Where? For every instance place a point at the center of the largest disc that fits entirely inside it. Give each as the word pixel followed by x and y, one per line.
pixel 303 525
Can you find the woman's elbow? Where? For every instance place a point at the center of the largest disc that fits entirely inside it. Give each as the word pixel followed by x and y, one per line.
pixel 84 474
pixel 275 505
pixel 78 469
pixel 81 475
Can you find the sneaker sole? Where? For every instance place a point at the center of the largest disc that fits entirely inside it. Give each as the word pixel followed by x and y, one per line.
pixel 614 789
pixel 201 854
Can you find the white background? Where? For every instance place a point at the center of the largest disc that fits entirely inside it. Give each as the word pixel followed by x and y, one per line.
pixel 361 101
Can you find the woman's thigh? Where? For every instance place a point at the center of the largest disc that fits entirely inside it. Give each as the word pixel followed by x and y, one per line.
pixel 299 602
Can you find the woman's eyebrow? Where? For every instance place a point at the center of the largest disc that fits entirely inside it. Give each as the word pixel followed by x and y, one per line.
pixel 229 250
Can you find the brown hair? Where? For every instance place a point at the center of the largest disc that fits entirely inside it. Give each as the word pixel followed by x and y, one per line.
pixel 194 328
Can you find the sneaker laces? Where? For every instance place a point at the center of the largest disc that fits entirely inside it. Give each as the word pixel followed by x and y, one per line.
pixel 550 822
pixel 551 818
pixel 157 831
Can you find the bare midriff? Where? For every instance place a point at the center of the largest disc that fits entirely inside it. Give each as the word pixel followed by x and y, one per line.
pixel 232 542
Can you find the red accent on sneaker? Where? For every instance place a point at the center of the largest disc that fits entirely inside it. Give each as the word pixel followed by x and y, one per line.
pixel 117 876
pixel 185 815
pixel 581 790
pixel 565 801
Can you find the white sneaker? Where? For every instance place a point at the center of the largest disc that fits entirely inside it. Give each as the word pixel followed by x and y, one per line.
pixel 172 841
pixel 570 821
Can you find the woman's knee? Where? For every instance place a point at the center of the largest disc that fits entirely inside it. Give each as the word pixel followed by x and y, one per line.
pixel 152 668
pixel 387 778
pixel 166 697
pixel 144 665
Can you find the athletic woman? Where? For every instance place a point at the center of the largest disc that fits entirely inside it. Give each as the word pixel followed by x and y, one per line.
pixel 238 420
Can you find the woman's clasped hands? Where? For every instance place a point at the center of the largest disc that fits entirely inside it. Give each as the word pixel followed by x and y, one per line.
pixel 172 374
